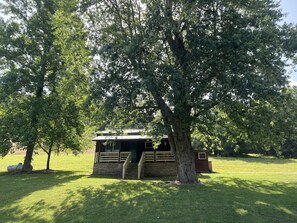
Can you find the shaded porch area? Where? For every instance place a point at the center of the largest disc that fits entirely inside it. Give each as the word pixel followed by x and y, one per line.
pixel 151 164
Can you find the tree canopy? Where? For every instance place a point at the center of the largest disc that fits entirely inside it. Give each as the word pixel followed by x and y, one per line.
pixel 183 58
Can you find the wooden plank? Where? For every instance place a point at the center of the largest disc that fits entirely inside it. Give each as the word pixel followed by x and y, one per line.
pixel 164 156
pixel 123 156
pixel 107 157
pixel 149 156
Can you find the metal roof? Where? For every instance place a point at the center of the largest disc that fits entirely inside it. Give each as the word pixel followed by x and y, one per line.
pixel 125 137
pixel 125 131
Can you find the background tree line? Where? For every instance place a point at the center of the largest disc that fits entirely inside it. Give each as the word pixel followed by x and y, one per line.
pixel 265 129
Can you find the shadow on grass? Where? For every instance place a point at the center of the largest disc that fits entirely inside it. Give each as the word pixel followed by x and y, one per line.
pixel 16 186
pixel 220 200
pixel 126 201
pixel 146 179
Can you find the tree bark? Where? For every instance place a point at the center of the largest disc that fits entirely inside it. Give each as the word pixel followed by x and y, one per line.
pixel 48 158
pixel 27 167
pixel 180 143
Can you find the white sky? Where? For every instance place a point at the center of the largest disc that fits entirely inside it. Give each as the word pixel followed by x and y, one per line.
pixel 290 7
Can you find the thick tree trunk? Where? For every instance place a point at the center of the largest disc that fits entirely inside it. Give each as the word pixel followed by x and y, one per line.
pixel 180 143
pixel 27 167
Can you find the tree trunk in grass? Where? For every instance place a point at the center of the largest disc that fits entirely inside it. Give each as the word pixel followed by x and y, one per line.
pixel 49 153
pixel 186 172
pixel 180 143
pixel 27 167
pixel 34 123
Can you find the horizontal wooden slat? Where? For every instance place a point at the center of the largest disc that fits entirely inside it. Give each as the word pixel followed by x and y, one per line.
pixel 123 156
pixel 159 156
pixel 149 156
pixel 108 157
pixel 111 157
pixel 164 156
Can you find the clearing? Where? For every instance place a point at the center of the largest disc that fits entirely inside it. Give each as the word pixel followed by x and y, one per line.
pixel 240 190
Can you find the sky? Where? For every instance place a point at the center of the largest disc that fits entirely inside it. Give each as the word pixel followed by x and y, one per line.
pixel 290 7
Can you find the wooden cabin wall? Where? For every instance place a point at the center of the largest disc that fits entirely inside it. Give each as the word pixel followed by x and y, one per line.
pixel 201 164
pixel 99 146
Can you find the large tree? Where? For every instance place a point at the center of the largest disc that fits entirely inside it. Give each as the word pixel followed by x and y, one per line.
pixel 40 102
pixel 182 58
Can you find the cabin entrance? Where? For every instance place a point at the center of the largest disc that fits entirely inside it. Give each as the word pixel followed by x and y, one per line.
pixel 134 152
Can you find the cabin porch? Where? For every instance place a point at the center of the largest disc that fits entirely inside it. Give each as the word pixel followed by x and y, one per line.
pixel 151 164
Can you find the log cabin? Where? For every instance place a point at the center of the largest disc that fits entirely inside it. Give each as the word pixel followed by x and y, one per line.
pixel 132 155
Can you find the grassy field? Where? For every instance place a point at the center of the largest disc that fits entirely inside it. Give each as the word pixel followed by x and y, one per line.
pixel 240 190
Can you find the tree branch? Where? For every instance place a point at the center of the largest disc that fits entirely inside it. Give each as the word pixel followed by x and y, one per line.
pixel 41 146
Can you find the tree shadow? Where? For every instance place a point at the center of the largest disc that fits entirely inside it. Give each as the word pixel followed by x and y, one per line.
pixel 126 201
pixel 16 186
pixel 222 199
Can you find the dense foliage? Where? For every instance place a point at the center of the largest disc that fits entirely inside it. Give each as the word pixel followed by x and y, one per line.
pixel 40 101
pixel 264 128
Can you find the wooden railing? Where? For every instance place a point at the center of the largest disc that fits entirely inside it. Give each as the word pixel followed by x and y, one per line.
pixel 149 156
pixel 126 165
pixel 123 156
pixel 140 164
pixel 111 157
pixel 159 156
pixel 164 156
pixel 108 157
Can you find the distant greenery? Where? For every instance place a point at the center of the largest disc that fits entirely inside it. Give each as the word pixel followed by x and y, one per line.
pixel 252 190
pixel 262 128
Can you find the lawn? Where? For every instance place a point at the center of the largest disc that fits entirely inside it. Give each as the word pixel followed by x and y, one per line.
pixel 240 190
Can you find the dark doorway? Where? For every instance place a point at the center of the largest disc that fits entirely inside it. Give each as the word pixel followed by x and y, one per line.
pixel 133 150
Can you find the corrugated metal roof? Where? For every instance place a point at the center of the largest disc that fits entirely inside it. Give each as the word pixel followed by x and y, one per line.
pixel 126 137
pixel 125 131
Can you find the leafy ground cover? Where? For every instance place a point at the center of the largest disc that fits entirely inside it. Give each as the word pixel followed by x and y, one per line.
pixel 240 190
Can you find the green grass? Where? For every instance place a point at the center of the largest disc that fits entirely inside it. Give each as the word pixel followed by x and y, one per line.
pixel 240 190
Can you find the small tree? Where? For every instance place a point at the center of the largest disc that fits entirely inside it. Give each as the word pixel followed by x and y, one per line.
pixel 60 127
